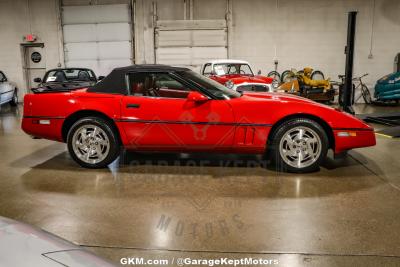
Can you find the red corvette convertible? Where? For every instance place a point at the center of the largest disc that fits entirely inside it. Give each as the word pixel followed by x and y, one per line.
pixel 163 108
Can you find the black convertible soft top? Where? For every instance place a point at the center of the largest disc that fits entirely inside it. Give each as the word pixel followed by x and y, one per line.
pixel 115 82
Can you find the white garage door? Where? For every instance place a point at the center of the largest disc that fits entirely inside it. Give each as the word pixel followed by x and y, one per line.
pixel 190 43
pixel 97 37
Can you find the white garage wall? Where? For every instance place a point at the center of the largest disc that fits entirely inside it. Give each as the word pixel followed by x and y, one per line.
pixel 313 33
pixel 16 20
pixel 298 33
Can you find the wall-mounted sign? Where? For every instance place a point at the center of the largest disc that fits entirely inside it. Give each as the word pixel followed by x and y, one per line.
pixel 30 38
pixel 36 57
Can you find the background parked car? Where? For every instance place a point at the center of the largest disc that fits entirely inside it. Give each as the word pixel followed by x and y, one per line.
pixel 61 79
pixel 237 75
pixel 8 91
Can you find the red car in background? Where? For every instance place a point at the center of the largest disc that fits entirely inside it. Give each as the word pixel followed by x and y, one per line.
pixel 163 108
pixel 237 75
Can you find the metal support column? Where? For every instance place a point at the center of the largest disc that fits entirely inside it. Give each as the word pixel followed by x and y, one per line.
pixel 348 83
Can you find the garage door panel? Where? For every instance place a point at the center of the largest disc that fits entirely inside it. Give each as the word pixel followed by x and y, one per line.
pixel 97 32
pixel 98 51
pixel 91 64
pixel 173 38
pixel 113 32
pixel 108 65
pixel 191 38
pixel 95 13
pixel 209 38
pixel 97 36
pixel 202 54
pixel 189 56
pixel 173 55
pixel 114 50
pixel 79 33
pixel 190 42
pixel 103 67
pixel 80 51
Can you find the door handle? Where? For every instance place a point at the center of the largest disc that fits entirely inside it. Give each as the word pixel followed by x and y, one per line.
pixel 133 105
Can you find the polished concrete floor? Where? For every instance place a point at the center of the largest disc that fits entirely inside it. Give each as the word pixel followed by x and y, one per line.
pixel 170 206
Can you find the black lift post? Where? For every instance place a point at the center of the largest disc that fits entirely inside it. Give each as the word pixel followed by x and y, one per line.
pixel 348 83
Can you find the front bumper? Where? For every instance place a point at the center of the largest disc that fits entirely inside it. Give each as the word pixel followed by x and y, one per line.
pixel 346 138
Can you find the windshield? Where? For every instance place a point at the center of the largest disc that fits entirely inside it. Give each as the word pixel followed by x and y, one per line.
pixel 69 75
pixel 211 86
pixel 232 68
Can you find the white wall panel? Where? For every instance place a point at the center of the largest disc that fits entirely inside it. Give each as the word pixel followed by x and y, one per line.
pixel 114 50
pixel 80 51
pixel 97 32
pixel 97 51
pixel 95 14
pixel 190 43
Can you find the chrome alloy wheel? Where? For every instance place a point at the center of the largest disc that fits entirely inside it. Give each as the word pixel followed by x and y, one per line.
pixel 90 144
pixel 300 147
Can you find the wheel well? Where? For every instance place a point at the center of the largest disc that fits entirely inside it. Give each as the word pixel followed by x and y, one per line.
pixel 328 130
pixel 71 119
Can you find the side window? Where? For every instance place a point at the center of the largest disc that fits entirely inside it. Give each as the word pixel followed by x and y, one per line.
pixel 1 76
pixel 245 69
pixel 233 69
pixel 207 69
pixel 156 85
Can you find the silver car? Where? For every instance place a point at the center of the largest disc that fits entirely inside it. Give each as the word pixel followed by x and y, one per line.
pixel 24 245
pixel 8 91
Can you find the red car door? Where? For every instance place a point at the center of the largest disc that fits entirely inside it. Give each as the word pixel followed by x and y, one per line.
pixel 159 116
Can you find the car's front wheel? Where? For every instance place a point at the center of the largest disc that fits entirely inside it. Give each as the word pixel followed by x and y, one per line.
pixel 299 145
pixel 93 143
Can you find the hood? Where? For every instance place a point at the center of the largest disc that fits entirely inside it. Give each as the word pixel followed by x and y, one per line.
pixel 238 79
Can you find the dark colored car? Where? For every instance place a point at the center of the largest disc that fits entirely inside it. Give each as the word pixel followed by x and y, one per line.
pixel 65 79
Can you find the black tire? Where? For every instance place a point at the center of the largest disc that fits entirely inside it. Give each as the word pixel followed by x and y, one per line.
pixel 317 75
pixel 275 75
pixel 281 131
pixel 286 76
pixel 14 100
pixel 366 94
pixel 108 129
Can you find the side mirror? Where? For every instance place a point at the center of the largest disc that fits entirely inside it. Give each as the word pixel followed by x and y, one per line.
pixel 37 80
pixel 196 97
pixel 259 72
pixel 100 78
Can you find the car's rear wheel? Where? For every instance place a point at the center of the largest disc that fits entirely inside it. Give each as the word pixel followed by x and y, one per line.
pixel 298 145
pixel 92 143
pixel 14 100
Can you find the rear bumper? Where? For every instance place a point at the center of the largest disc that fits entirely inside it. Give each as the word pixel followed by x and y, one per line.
pixel 43 127
pixel 346 138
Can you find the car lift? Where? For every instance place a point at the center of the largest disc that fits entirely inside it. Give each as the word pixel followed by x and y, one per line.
pixel 346 97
